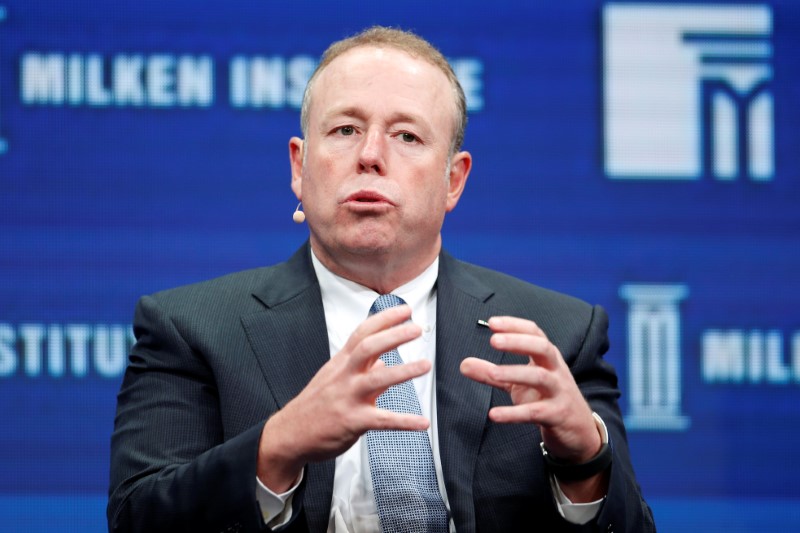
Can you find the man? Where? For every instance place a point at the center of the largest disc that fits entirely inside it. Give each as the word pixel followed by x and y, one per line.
pixel 253 401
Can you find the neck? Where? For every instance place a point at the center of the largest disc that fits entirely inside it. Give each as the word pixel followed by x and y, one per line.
pixel 381 272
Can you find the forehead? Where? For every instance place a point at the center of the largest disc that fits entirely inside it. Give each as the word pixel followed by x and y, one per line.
pixel 382 77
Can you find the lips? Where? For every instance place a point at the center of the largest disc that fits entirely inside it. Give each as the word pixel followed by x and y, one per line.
pixel 368 197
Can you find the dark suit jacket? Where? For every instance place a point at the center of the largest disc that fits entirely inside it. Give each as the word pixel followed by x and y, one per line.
pixel 214 360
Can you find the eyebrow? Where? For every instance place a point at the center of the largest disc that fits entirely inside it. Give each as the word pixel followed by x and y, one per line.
pixel 400 116
pixel 349 111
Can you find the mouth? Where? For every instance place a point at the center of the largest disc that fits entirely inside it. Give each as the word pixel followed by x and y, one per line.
pixel 367 198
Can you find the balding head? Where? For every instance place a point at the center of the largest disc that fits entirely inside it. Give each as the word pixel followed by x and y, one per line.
pixel 410 43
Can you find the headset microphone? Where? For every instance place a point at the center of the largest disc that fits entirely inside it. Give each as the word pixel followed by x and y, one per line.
pixel 298 216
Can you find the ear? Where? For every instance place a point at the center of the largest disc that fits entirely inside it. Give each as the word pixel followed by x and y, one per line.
pixel 460 165
pixel 296 148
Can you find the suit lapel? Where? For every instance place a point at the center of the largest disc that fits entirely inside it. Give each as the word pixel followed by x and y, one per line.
pixel 290 341
pixel 462 404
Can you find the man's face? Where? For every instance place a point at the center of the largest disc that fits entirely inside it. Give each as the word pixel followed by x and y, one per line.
pixel 377 175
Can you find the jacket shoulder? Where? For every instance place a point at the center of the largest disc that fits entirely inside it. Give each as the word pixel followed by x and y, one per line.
pixel 234 286
pixel 510 290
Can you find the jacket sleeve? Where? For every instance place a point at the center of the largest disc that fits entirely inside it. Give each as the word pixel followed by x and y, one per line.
pixel 624 509
pixel 171 468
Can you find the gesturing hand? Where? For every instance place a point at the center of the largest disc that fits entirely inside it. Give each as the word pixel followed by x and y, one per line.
pixel 338 404
pixel 542 389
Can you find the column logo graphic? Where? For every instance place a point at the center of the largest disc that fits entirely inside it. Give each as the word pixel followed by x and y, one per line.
pixel 654 357
pixel 687 92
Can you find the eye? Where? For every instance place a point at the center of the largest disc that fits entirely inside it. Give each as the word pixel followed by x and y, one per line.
pixel 408 137
pixel 347 130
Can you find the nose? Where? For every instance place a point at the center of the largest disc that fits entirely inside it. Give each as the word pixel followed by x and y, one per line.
pixel 371 158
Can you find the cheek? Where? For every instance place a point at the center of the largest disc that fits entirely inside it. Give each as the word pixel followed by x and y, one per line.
pixel 437 191
pixel 318 182
pixel 430 200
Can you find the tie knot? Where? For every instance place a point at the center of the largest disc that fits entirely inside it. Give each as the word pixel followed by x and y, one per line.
pixel 385 301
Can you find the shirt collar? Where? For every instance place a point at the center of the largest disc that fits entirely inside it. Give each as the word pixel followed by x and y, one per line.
pixel 343 295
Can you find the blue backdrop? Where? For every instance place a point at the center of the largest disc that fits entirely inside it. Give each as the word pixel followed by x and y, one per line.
pixel 640 155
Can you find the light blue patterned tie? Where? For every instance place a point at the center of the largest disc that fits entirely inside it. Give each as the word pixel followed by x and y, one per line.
pixel 401 462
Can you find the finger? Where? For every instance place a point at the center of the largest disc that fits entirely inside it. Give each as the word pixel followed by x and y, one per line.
pixel 534 377
pixel 370 348
pixel 375 382
pixel 512 324
pixel 526 413
pixel 481 371
pixel 539 349
pixel 385 419
pixel 378 322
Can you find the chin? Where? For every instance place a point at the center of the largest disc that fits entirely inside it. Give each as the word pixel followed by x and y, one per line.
pixel 368 239
pixel 368 247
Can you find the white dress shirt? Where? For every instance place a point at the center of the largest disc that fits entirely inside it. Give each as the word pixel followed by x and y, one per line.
pixel 346 305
